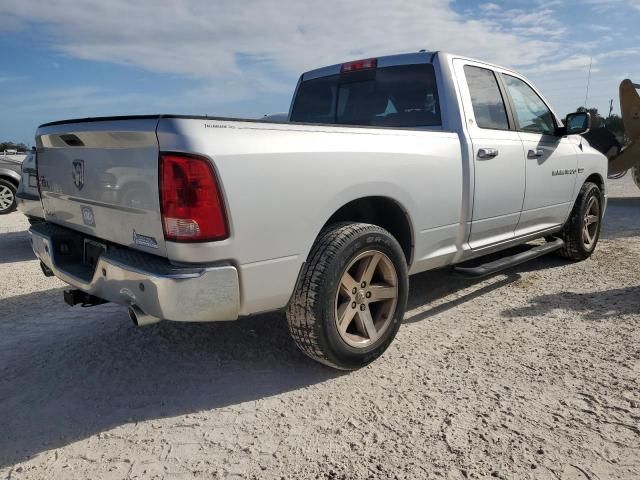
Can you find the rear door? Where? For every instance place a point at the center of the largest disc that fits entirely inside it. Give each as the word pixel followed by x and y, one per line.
pixel 551 161
pixel 499 170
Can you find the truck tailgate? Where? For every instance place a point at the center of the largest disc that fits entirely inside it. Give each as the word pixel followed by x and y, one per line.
pixel 100 177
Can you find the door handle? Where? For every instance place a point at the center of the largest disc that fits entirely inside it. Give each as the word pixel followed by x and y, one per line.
pixel 537 153
pixel 487 153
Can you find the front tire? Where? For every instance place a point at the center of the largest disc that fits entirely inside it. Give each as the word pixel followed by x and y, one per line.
pixel 635 173
pixel 351 297
pixel 7 197
pixel 582 230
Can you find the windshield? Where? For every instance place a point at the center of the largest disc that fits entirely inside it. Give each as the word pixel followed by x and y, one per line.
pixel 398 96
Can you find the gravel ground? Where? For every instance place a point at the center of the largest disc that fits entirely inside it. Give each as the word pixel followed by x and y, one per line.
pixel 532 373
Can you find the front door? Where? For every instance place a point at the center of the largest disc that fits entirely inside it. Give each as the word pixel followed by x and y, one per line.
pixel 498 163
pixel 551 160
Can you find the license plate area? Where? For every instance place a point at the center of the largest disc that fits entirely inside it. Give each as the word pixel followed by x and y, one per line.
pixel 92 252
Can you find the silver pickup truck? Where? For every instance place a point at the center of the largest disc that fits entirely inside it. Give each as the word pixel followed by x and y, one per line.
pixel 386 167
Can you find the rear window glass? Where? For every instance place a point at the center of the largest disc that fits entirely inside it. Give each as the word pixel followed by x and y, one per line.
pixel 488 105
pixel 400 96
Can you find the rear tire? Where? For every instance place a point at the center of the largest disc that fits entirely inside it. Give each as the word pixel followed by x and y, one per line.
pixel 7 197
pixel 582 230
pixel 351 297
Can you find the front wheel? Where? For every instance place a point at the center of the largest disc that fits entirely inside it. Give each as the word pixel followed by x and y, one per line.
pixel 582 230
pixel 351 297
pixel 7 197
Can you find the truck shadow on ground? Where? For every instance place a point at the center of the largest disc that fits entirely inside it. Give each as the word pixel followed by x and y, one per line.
pixel 594 306
pixel 429 287
pixel 67 374
pixel 15 247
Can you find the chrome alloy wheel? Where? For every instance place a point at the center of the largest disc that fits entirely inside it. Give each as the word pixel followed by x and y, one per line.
pixel 6 197
pixel 591 221
pixel 366 299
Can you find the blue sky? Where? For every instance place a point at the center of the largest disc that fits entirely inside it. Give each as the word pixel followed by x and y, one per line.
pixel 75 58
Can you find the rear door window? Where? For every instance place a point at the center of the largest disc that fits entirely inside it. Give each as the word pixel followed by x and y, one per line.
pixel 488 104
pixel 398 96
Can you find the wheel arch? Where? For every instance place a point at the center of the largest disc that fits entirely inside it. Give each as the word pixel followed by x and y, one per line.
pixel 382 211
pixel 10 176
pixel 593 177
pixel 598 180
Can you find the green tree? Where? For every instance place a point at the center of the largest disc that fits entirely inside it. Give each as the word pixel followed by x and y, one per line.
pixel 21 147
pixel 615 124
pixel 7 146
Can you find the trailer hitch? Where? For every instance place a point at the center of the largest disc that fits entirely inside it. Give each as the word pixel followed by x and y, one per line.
pixel 78 297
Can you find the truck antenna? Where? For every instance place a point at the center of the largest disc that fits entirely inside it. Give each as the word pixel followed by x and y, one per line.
pixel 586 97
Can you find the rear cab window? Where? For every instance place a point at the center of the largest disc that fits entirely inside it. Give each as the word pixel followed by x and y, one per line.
pixel 394 96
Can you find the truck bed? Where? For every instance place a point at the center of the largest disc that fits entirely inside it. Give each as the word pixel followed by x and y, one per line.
pixel 280 182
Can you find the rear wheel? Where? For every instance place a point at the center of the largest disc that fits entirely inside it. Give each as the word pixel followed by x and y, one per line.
pixel 582 230
pixel 7 197
pixel 351 297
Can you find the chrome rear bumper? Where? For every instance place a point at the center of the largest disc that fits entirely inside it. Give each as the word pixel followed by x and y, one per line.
pixel 127 277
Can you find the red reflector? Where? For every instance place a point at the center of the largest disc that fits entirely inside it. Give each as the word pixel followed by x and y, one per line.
pixel 190 200
pixel 359 65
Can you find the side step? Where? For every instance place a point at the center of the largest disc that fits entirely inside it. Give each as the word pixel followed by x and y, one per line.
pixel 508 262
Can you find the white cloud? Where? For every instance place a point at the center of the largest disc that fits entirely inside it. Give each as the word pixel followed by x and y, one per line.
pixel 573 63
pixel 12 79
pixel 540 22
pixel 607 5
pixel 489 7
pixel 244 50
pixel 213 40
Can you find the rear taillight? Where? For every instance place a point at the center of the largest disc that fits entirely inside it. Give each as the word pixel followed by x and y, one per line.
pixel 359 65
pixel 190 200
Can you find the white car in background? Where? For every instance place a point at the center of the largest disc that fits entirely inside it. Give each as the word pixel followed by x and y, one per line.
pixel 10 162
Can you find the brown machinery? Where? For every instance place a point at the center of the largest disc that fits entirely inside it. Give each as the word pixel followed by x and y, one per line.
pixel 629 156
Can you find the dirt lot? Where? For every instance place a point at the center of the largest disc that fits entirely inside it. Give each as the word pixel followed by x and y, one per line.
pixel 532 373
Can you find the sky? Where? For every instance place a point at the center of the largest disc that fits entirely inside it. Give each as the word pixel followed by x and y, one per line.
pixel 79 58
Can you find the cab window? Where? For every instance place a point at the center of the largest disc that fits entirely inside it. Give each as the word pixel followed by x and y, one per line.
pixel 397 96
pixel 487 101
pixel 531 112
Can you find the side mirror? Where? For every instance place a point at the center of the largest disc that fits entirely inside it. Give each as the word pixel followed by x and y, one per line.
pixel 577 123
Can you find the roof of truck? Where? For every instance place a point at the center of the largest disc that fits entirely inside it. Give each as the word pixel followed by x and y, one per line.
pixel 423 56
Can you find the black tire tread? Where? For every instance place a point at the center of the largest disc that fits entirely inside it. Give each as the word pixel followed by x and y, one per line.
pixel 572 230
pixel 304 327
